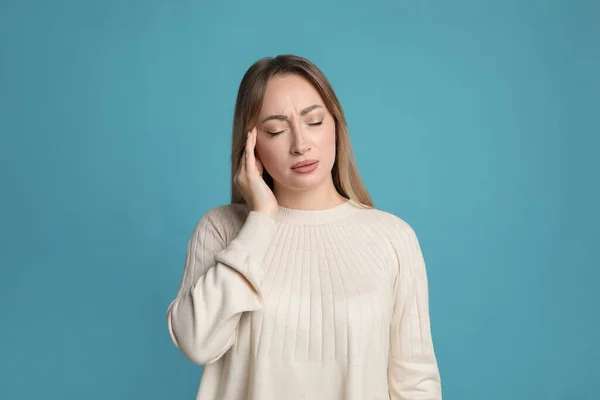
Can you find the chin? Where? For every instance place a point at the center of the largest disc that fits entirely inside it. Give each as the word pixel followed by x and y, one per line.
pixel 304 182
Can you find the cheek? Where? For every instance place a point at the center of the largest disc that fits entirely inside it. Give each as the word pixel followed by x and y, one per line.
pixel 328 141
pixel 267 152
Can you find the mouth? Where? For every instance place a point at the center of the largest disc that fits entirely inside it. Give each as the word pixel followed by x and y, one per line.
pixel 304 164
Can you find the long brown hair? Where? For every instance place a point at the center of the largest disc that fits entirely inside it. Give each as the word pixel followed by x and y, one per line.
pixel 250 96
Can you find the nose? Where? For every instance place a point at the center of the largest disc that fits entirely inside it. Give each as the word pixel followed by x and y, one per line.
pixel 299 144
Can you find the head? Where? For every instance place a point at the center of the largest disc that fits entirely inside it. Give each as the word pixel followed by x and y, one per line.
pixel 298 117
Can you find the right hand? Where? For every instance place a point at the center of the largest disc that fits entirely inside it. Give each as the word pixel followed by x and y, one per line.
pixel 249 180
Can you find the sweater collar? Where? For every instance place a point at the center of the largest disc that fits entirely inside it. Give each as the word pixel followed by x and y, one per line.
pixel 315 217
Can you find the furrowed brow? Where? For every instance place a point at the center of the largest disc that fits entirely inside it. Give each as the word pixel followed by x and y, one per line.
pixel 281 117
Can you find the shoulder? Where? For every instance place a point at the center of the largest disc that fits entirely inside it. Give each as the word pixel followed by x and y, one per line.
pixel 225 215
pixel 223 221
pixel 388 221
pixel 394 230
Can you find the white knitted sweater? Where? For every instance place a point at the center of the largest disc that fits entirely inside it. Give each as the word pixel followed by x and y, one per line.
pixel 316 305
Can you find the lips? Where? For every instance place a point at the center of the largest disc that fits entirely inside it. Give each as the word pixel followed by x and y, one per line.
pixel 303 163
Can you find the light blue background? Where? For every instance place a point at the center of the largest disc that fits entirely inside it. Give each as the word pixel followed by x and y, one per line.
pixel 475 121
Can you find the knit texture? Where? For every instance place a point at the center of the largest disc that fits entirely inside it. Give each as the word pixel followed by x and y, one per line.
pixel 317 305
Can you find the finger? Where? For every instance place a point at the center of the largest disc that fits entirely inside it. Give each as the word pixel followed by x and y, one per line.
pixel 254 138
pixel 257 161
pixel 250 159
pixel 259 165
pixel 244 156
pixel 242 166
pixel 248 142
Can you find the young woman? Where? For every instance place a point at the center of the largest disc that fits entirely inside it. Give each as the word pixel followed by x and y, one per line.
pixel 300 288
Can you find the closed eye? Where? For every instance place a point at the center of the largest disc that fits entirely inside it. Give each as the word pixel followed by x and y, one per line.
pixel 318 123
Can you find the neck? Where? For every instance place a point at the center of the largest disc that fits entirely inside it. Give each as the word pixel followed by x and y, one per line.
pixel 321 197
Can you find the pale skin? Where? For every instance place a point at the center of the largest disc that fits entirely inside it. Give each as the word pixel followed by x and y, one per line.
pixel 293 125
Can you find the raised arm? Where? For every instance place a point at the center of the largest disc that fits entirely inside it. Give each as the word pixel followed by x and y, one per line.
pixel 219 283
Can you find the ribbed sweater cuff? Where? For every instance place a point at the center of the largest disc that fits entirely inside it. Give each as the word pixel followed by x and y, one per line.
pixel 257 234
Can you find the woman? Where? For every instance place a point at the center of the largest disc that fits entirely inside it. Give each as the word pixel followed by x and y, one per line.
pixel 300 288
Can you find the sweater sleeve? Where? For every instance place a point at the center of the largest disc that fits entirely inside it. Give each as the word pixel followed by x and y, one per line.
pixel 219 283
pixel 412 366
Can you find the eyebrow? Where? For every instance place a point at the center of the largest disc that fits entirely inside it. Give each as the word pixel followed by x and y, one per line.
pixel 282 117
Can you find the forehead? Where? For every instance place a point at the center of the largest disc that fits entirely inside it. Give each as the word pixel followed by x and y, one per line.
pixel 289 92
